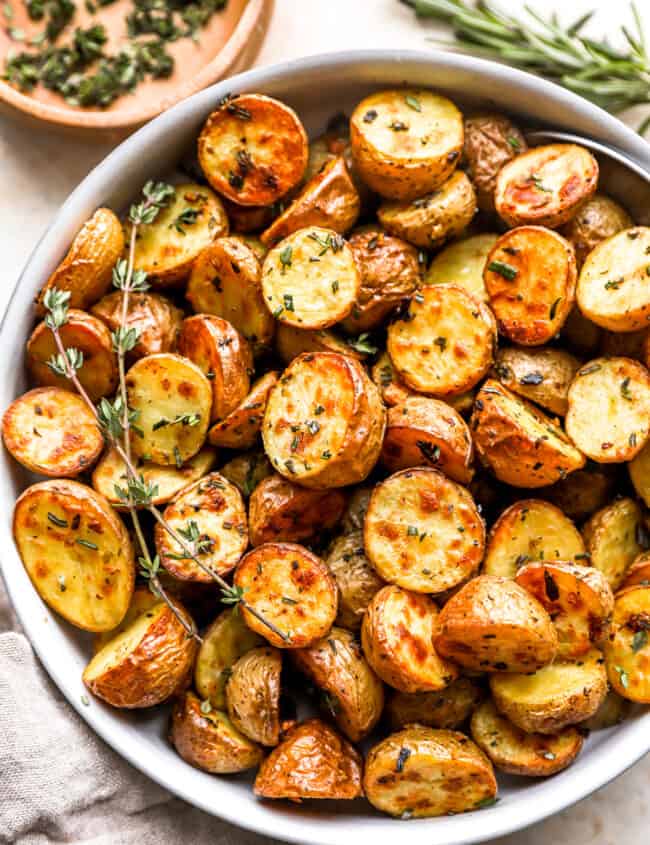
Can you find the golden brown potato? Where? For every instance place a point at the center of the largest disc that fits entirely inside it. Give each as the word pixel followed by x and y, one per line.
pixel 253 149
pixel 142 600
pixel 638 572
pixel 421 772
pixel 352 692
pixel 611 712
pixel 391 387
pixel 253 695
pixel 598 219
pixel 427 432
pixel 154 317
pixel 396 635
pixel 334 142
pixel 493 625
pixel 521 445
pixel 241 428
pixel 581 493
pixel 312 761
pixel 530 276
pixel 394 147
pixel 546 185
pixel 449 708
pixel 355 513
pixel 97 374
pixel 255 244
pixel 627 650
pixel 247 470
pixel 639 470
pixel 291 342
pixel 560 694
pixel 52 432
pixel 207 739
pixel 519 753
pixel 356 579
pixel 445 343
pixel 86 271
pixel 625 345
pixel 542 375
pixel 324 422
pixel 281 510
pixel 76 551
pixel 491 141
pixel 291 588
pixel 612 538
pixel 423 531
pixel 462 263
pixel 244 219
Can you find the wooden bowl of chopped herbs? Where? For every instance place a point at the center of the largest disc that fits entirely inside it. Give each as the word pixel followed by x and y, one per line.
pixel 112 65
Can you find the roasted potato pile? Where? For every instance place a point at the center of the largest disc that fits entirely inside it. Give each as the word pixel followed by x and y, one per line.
pixel 379 385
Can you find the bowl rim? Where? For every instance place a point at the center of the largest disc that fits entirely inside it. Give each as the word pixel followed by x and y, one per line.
pixel 617 753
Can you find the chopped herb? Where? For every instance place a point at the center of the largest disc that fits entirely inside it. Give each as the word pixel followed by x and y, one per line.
pixel 178 458
pixel 514 142
pixel 205 706
pixel 55 520
pixel 623 676
pixel 413 103
pixel 531 378
pixel 87 544
pixel 85 701
pixel 550 585
pixel 639 640
pixel 615 284
pixel 335 287
pixel 632 439
pixel 287 600
pixel 313 427
pixel 398 126
pixel 590 368
pixel 402 757
pixel 553 309
pixel 507 271
pixel 185 218
pixel 429 451
pixel 441 343
pixel 537 182
pixel 318 410
pixel 370 115
pixel 285 257
pixel 490 801
pixel 363 344
pixel 288 302
pixel 412 531
pixel 326 455
pixel 61 582
pixel 418 298
pixel 625 389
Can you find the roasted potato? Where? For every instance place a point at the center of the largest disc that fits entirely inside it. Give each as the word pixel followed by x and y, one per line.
pixel 324 422
pixel 638 572
pixel 406 142
pixel 245 219
pixel 391 387
pixel 581 335
pixel 241 428
pixel 396 635
pixel 445 343
pixel 292 589
pixel 560 694
pixel 154 317
pixel 253 694
pixel 281 510
pixel 353 693
pixel 356 579
pixel 612 537
pixel 542 375
pixel 355 513
pixel 52 432
pixel 420 772
pixel 491 141
pixel 291 342
pixel 581 493
pixel 625 345
pixel 247 470
pixel 462 263
pixel 253 149
pixel 142 600
pixel 423 531
pixel 76 551
pixel 639 470
pixel 627 650
pixel 449 708
pixel 521 445
pixel 494 625
pixel 312 761
pixel 598 219
pixel 545 186
pixel 611 712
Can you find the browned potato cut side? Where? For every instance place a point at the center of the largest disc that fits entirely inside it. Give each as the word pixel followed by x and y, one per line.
pixel 291 342
pixel 449 708
pixel 491 141
pixel 627 651
pixel 598 219
pixel 154 317
pixel 462 263
pixel 356 579
pixel 391 387
pixel 638 572
pixel 241 428
pixel 541 375
pixel 253 695
pixel 613 538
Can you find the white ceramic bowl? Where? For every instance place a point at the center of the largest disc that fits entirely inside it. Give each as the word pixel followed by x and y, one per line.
pixel 317 87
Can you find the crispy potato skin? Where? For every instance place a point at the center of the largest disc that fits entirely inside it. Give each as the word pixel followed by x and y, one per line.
pixel 241 428
pixel 253 149
pixel 356 579
pixel 627 650
pixel 209 741
pixel 639 471
pixel 280 510
pixel 491 141
pixel 253 695
pixel 492 624
pixel 426 772
pixel 611 712
pixel 582 336
pixel 581 493
pixel 336 665
pixel 247 470
pixel 156 319
pixel 391 387
pixel 52 432
pixel 247 219
pixel 312 761
pixel 291 342
pixel 448 709
pixel 462 263
pixel 612 539
pixel 638 572
pixel 598 219
pixel 86 270
pixel 355 513
pixel 542 375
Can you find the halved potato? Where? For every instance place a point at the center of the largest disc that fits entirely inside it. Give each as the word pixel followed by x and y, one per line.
pixel 428 432
pixel 423 531
pixel 491 141
pixel 542 375
pixel 281 510
pixel 421 772
pixel 445 342
pixel 253 149
pixel 291 342
pixel 312 761
pixel 611 712
pixel 449 708
pixel 97 374
pixel 76 551
pixel 396 635
pixel 356 579
pixel 253 694
pixel 598 219
pixel 612 537
pixel 609 409
pixel 406 142
pixel 627 650
pixel 310 279
pixel 324 422
pixel 493 625
pixel 391 387
pixel 240 429
pixel 560 694
pixel 529 530
pixel 247 470
pixel 581 493
pixel 255 244
pixel 462 263
pixel 521 445
pixel 638 572
pixel 519 753
pixel 546 185
pixel 142 600
pixel 155 318
pixel 173 400
pixel 52 432
pixel 291 588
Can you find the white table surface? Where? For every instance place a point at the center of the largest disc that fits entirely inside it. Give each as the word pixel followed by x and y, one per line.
pixel 38 170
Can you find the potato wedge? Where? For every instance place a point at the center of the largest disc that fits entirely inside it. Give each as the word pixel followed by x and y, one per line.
pixel 598 219
pixel 391 387
pixel 324 422
pixel 445 342
pixel 638 572
pixel 76 551
pixel 448 709
pixel 173 399
pixel 51 431
pixel 291 342
pixel 253 149
pixel 396 635
pixel 421 772
pixel 241 428
pixel 627 651
pixel 521 445
pixel 207 739
pixel 423 531
pixel 491 141
pixel 253 694
pixel 352 692
pixel 98 372
pixel 247 470
pixel 609 409
pixel 611 712
pixel 356 579
pixel 519 753
pixel 155 318
pixel 312 761
pixel 546 185
pixel 462 263
pixel 542 375
pixel 612 537
pixel 292 588
pixel 427 432
pixel 494 625
pixel 581 493
pixel 406 142
pixel 560 694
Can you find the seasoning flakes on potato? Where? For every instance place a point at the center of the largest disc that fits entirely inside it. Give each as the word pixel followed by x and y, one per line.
pixel 241 428
pixel 462 263
pixel 627 651
pixel 155 318
pixel 253 694
pixel 449 708
pixel 598 219
pixel 356 579
pixel 491 141
pixel 542 375
pixel 613 537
